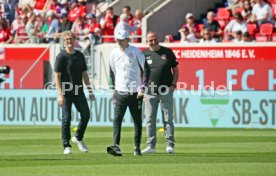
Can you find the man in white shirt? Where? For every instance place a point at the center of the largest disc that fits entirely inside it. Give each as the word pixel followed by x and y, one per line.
pixel 123 25
pixel 235 25
pixel 127 65
pixel 262 12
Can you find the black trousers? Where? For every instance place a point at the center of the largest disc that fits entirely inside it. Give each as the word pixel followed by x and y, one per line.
pixel 122 100
pixel 81 105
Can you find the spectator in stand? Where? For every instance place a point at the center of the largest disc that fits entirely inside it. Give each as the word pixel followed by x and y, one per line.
pixel 81 32
pixel 138 22
pixel 5 33
pixel 93 28
pixel 82 2
pixel 76 11
pixel 64 4
pixel 214 26
pixel 108 25
pixel 9 12
pixel 262 12
pixel 39 24
pixel 1 10
pixel 92 25
pixel 21 11
pixel 54 6
pixel 247 11
pixel 25 10
pixel 78 27
pixel 233 4
pixel 124 25
pixel 15 24
pixel 21 35
pixel 53 24
pixel 186 36
pixel 252 3
pixel 191 25
pixel 64 23
pixel 31 29
pixel 237 24
pixel 82 6
pixel 127 10
pixel 246 37
pixel 21 3
pixel 237 37
pixel 207 36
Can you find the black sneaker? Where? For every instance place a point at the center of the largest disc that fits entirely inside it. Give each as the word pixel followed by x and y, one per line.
pixel 114 150
pixel 137 152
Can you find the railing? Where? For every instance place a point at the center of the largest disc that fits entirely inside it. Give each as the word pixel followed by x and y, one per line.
pixel 132 37
pixel 26 39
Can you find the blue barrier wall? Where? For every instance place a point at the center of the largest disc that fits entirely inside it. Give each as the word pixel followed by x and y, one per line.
pixel 238 109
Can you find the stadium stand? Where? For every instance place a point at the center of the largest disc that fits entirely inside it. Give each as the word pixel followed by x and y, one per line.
pixel 78 9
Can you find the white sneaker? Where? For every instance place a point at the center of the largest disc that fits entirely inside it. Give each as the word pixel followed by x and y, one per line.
pixel 67 150
pixel 170 150
pixel 81 145
pixel 148 150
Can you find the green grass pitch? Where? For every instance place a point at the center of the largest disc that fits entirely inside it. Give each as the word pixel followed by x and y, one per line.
pixel 37 150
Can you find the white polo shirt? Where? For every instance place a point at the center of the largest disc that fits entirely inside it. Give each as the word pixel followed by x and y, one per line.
pixel 126 69
pixel 261 11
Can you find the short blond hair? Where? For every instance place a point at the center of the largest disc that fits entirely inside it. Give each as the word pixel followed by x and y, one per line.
pixel 70 33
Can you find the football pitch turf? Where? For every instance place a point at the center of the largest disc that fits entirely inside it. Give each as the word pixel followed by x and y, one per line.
pixel 37 150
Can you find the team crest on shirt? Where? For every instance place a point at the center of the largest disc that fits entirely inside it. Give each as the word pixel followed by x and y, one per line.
pixel 163 57
pixel 148 57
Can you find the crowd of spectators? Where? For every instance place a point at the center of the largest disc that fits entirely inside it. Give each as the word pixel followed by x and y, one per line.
pixel 43 21
pixel 238 21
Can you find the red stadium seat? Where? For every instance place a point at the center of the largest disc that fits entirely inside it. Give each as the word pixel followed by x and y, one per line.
pixel 222 23
pixel 262 38
pixel 265 33
pixel 223 14
pixel 200 26
pixel 252 28
pixel 266 29
pixel 223 17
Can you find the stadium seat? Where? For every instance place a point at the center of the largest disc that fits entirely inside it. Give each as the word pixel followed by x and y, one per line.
pixel 223 17
pixel 262 38
pixel 252 28
pixel 265 33
pixel 222 23
pixel 200 26
pixel 266 29
pixel 223 14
